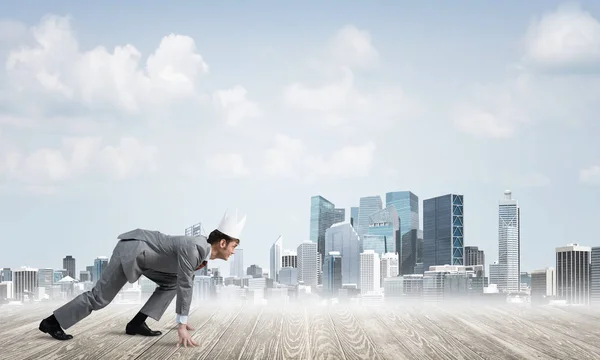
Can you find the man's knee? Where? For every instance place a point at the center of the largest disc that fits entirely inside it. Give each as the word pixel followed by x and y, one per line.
pixel 167 287
pixel 98 300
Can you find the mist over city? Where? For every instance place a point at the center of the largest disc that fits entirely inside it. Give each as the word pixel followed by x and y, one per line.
pixel 299 180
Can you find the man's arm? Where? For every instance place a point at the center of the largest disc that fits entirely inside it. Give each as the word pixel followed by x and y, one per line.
pixel 187 257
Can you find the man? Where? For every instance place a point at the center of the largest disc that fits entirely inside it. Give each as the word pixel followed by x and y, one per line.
pixel 169 261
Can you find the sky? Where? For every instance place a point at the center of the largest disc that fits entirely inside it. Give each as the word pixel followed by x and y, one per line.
pixel 160 115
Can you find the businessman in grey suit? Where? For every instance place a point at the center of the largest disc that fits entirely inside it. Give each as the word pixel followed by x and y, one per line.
pixel 169 261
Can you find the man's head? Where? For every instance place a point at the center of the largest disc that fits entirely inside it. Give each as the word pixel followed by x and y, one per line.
pixel 223 246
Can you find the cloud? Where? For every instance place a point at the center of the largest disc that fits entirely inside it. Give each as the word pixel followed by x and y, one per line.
pixel 567 39
pixel 78 157
pixel 235 105
pixel 339 102
pixel 590 175
pixel 353 48
pixel 227 165
pixel 290 158
pixel 55 71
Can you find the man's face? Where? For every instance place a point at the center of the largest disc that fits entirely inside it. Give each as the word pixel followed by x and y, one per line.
pixel 226 250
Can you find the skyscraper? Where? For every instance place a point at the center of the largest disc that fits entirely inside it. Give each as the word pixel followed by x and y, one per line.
pixel 595 276
pixel 354 216
pixel 332 273
pixel 474 256
pixel 69 265
pixel 99 264
pixel 344 239
pixel 573 274
pixel 370 268
pixel 368 205
pixel 307 263
pixel 276 253
pixel 509 243
pixel 323 214
pixel 443 231
pixel 407 206
pixel 237 264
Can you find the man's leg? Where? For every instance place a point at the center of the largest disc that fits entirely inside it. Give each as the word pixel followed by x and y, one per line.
pixel 156 305
pixel 106 288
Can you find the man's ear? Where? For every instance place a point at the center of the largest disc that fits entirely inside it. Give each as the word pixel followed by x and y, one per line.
pixel 223 243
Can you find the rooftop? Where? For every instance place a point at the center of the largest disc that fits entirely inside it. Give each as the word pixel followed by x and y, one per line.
pixel 341 332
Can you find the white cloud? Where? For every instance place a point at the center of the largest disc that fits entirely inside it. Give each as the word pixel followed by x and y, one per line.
pixel 590 175
pixel 341 103
pixel 290 158
pixel 567 38
pixel 11 31
pixel 227 165
pixel 78 157
pixel 54 68
pixel 236 106
pixel 352 47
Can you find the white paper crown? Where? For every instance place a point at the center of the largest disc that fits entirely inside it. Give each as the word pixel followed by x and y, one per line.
pixel 231 226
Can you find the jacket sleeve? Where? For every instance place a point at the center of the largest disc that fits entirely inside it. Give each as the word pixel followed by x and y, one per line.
pixel 187 257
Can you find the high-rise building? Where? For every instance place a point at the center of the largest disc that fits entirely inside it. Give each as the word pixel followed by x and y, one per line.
pixel 69 265
pixel 474 256
pixel 5 274
pixel 254 270
pixel 344 239
pixel 323 214
pixel 100 264
pixel 307 263
pixel 354 217
pixel 45 277
pixel 443 231
pixel 543 285
pixel 369 272
pixel 368 205
pixel 275 263
pixel 25 283
pixel 289 259
pixel 385 223
pixel 237 264
pixel 194 230
pixel 407 207
pixel 332 273
pixel 90 269
pixel 595 276
pixel 509 243
pixel 389 266
pixel 573 274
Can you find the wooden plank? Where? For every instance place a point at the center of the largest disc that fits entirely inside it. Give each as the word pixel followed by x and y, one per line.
pixel 264 342
pixel 294 335
pixel 354 342
pixel 324 343
pixel 486 347
pixel 208 330
pixel 44 346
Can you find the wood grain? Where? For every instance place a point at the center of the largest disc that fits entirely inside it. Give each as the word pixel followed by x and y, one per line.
pixel 238 331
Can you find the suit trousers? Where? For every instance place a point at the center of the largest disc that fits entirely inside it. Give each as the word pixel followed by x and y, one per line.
pixel 108 286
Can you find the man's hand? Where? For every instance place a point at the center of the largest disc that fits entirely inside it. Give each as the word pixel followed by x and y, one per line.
pixel 184 336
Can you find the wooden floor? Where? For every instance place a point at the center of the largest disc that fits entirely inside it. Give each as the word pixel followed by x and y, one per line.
pixel 340 332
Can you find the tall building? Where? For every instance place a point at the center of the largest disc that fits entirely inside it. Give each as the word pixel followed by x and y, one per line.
pixel 307 263
pixel 385 223
pixel 369 272
pixel 443 231
pixel 289 259
pixel 595 276
pixel 389 266
pixel 275 258
pixel 407 207
pixel 573 274
pixel 90 269
pixel 323 214
pixel 354 216
pixel 543 285
pixel 344 239
pixel 5 274
pixel 194 230
pixel 45 277
pixel 25 283
pixel 474 256
pixel 100 264
pixel 509 243
pixel 237 264
pixel 69 265
pixel 332 273
pixel 368 205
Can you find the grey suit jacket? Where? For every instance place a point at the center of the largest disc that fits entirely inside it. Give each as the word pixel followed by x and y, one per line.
pixel 179 255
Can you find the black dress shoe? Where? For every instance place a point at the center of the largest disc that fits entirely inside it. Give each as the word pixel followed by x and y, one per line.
pixel 142 329
pixel 54 330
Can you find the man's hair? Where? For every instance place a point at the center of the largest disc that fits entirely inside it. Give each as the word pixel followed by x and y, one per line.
pixel 216 236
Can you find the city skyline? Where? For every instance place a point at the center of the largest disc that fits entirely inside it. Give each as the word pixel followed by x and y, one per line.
pixel 183 116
